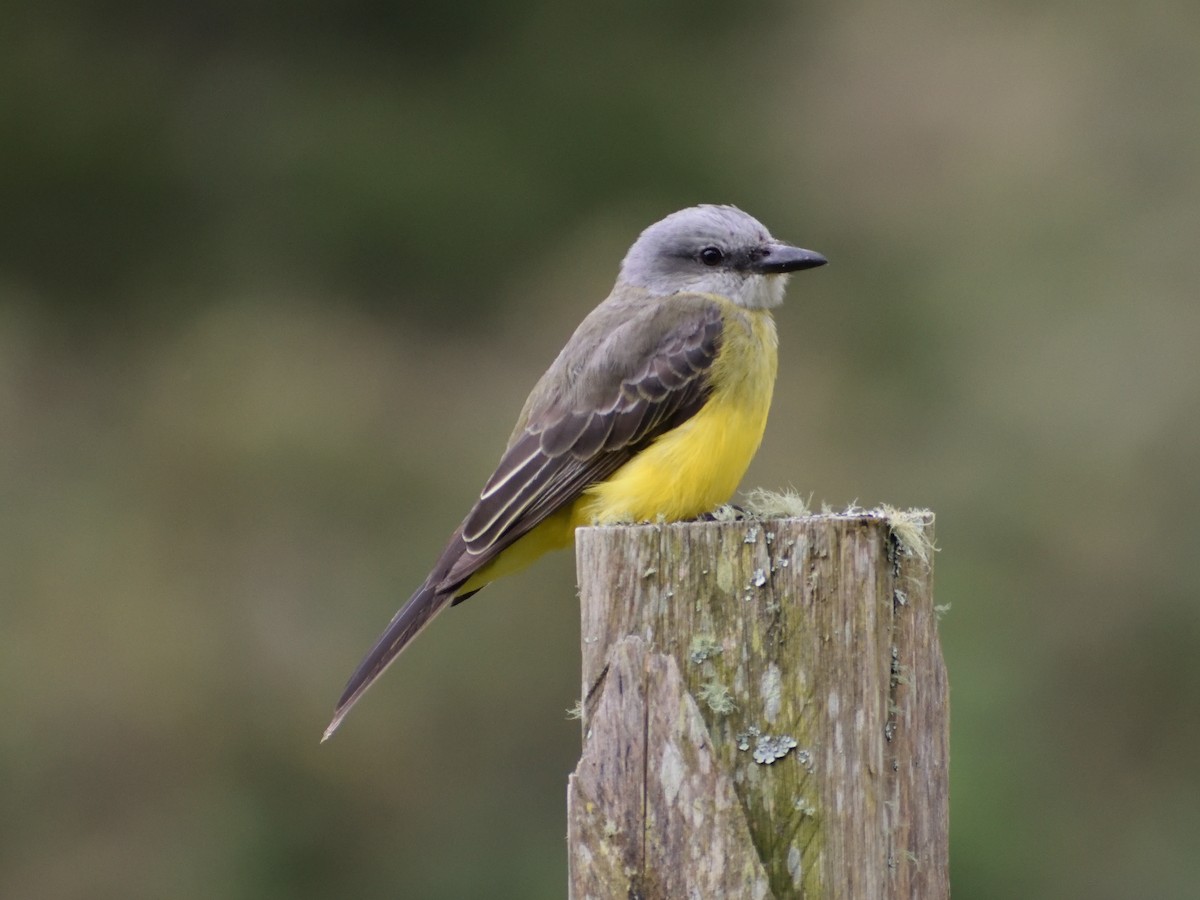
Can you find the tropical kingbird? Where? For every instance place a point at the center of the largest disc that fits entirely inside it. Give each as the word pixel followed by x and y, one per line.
pixel 652 411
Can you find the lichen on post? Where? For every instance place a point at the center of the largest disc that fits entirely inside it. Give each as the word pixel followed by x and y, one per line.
pixel 765 711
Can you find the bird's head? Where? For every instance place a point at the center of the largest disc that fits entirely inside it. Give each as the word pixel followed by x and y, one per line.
pixel 715 250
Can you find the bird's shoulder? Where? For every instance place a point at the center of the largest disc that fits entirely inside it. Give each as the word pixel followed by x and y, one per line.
pixel 630 338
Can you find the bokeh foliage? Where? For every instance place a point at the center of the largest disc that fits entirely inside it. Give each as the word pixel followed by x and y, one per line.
pixel 274 280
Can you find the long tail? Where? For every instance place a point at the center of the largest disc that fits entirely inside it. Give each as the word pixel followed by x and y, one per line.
pixel 452 580
pixel 412 618
pixel 429 599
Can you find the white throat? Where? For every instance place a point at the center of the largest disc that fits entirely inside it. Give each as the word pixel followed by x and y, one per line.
pixel 761 291
pixel 746 290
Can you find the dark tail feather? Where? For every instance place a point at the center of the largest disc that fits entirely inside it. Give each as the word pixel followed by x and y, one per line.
pixel 418 612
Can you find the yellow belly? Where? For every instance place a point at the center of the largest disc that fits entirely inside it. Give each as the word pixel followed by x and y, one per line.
pixel 696 467
pixel 686 472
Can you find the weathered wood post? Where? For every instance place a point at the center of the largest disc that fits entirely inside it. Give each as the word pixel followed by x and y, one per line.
pixel 765 712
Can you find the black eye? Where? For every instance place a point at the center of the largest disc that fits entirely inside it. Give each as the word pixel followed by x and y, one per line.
pixel 712 256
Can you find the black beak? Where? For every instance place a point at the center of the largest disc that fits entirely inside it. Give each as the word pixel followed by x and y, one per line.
pixel 777 259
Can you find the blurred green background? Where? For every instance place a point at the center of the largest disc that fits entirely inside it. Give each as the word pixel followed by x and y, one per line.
pixel 275 278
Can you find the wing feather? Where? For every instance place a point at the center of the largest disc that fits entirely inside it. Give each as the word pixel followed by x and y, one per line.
pixel 562 451
pixel 496 512
pixel 594 435
pixel 632 383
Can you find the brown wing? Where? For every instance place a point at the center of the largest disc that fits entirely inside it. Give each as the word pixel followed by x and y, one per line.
pixel 658 378
pixel 630 402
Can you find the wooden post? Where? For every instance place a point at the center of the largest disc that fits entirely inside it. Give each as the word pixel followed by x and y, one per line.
pixel 765 712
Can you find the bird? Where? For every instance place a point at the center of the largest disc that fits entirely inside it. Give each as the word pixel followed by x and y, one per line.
pixel 652 411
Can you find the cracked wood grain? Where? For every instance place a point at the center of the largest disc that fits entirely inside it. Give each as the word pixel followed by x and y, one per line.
pixel 766 714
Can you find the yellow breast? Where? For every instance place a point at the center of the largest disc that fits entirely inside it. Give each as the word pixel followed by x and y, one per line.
pixel 688 471
pixel 696 467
